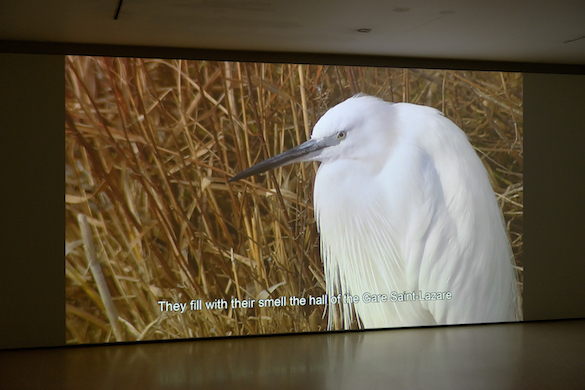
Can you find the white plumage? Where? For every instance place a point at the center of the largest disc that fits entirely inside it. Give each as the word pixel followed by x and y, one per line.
pixel 404 208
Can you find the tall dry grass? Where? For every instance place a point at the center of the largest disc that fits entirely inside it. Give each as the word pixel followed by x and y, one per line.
pixel 150 144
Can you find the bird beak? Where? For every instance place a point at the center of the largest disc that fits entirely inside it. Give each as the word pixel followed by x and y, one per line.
pixel 307 151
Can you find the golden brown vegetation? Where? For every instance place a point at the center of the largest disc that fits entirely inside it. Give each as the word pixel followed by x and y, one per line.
pixel 150 144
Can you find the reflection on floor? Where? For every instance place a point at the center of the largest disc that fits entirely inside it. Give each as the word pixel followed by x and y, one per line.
pixel 540 355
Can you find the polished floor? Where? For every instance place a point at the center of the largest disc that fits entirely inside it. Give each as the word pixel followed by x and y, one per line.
pixel 539 355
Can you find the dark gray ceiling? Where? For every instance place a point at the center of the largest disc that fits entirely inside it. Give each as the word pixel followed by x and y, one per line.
pixel 540 31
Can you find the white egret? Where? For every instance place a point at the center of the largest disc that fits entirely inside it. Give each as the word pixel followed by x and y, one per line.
pixel 406 214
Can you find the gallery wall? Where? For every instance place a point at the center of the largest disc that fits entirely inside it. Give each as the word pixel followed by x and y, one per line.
pixel 32 282
pixel 554 124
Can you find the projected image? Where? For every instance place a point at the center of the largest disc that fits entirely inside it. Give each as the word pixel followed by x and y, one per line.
pixel 208 199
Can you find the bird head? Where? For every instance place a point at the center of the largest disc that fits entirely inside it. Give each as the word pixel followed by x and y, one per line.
pixel 334 136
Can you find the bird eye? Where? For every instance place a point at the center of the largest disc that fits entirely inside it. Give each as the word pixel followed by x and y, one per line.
pixel 341 135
